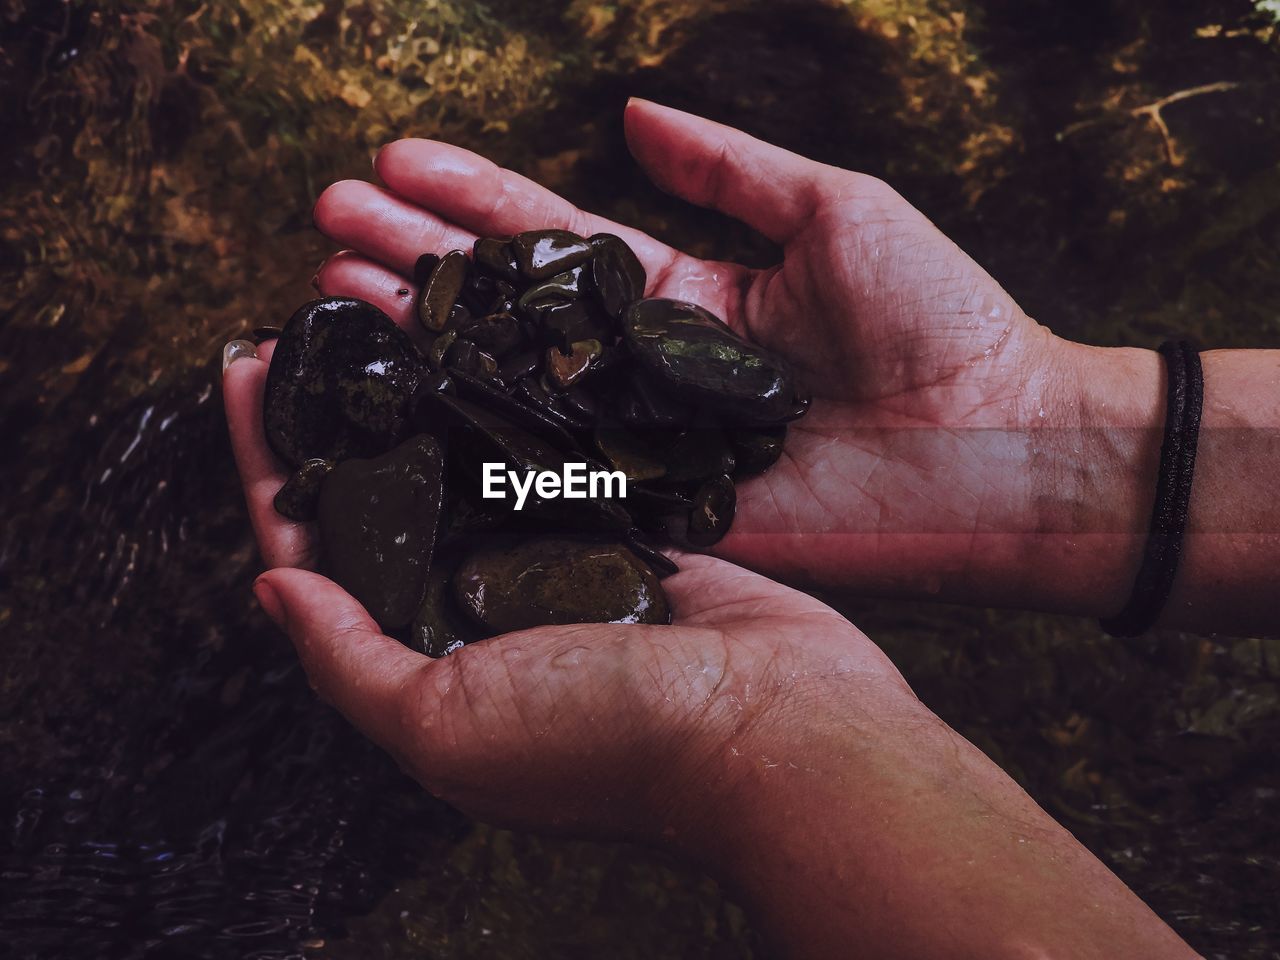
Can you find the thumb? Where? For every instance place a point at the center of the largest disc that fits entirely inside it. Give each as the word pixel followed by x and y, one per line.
pixel 707 163
pixel 366 675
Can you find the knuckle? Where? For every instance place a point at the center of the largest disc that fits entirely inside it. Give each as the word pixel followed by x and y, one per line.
pixel 716 171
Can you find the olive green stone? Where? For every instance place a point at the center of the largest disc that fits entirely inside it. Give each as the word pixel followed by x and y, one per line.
pixel 691 354
pixel 505 585
pixel 300 495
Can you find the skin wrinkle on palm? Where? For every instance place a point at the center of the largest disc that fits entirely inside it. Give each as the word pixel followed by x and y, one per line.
pixel 756 632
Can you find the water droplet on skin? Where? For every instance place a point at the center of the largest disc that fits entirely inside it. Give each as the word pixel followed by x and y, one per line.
pixel 571 658
pixel 1041 414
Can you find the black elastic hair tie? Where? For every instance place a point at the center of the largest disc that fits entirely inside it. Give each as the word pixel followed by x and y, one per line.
pixel 1154 583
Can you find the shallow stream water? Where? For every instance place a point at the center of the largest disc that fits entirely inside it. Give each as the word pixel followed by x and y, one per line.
pixel 170 786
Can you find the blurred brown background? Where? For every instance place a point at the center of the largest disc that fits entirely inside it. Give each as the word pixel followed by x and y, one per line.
pixel 169 784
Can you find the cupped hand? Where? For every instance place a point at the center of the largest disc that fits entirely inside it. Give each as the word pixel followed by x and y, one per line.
pixel 924 371
pixel 597 729
pixel 761 735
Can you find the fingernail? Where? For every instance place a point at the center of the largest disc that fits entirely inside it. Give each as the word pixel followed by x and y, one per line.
pixel 315 280
pixel 236 350
pixel 269 600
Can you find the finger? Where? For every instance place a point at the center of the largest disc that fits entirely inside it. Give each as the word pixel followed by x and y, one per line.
pixel 465 188
pixel 283 542
pixel 773 190
pixel 350 663
pixel 348 274
pixel 384 227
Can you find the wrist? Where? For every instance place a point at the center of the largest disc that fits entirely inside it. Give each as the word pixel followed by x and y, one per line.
pixel 1093 451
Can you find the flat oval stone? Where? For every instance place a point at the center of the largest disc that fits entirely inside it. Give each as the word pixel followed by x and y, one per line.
pixel 440 292
pixel 378 521
pixel 505 585
pixel 543 253
pixel 618 274
pixel 693 355
pixel 340 383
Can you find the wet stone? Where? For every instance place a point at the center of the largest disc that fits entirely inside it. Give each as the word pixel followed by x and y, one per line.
pixel 713 509
pixel 495 257
pixel 628 451
pixel 699 454
pixel 559 289
pixel 339 384
pixel 566 369
pixel 566 323
pixel 542 253
pixel 439 628
pixel 299 498
pixel 440 291
pixel 692 355
pixel 537 354
pixel 756 450
pixel 378 521
pixel 498 333
pixel 618 275
pixel 505 586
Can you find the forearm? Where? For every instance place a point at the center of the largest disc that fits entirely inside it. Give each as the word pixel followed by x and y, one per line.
pixel 902 840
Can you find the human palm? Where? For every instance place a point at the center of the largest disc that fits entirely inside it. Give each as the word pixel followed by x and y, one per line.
pixel 924 371
pixel 557 727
